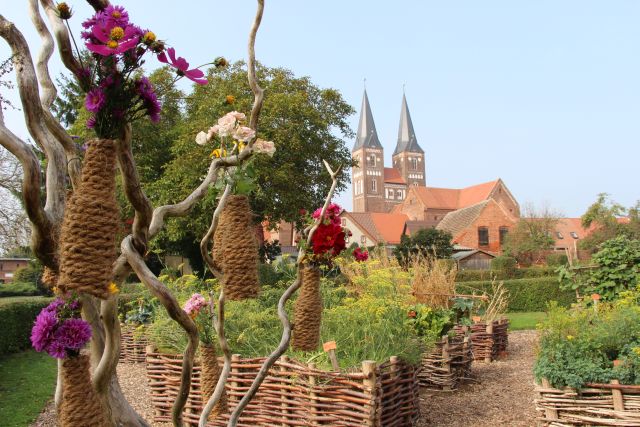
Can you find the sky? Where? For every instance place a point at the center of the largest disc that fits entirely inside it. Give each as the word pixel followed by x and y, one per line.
pixel 544 94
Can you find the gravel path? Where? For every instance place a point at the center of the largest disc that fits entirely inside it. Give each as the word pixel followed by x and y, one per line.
pixel 502 397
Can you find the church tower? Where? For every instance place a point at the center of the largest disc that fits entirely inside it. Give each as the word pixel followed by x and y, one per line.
pixel 368 175
pixel 408 157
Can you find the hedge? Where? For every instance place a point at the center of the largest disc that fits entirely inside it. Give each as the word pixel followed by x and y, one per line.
pixel 17 320
pixel 531 294
pixel 16 289
pixel 519 273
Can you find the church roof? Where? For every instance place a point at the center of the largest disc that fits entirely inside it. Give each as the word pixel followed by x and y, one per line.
pixel 450 198
pixel 407 141
pixel 383 227
pixel 456 221
pixel 393 176
pixel 367 135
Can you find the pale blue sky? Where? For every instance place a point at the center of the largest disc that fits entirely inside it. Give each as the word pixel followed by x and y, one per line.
pixel 544 94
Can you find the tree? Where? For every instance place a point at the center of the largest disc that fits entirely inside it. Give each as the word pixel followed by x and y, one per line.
pixel 426 242
pixel 14 226
pixel 532 235
pixel 609 219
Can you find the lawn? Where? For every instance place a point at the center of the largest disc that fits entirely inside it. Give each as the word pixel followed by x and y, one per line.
pixel 525 320
pixel 27 382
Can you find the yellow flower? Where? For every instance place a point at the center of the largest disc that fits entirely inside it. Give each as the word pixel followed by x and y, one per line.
pixel 54 289
pixel 240 146
pixel 230 99
pixel 570 337
pixel 636 350
pixel 149 37
pixel 218 153
pixel 113 288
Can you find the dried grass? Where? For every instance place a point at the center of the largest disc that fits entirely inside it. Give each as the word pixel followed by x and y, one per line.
pixel 498 301
pixel 433 281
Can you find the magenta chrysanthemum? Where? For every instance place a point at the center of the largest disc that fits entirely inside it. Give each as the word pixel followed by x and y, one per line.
pixel 150 101
pixel 73 334
pixel 182 66
pixel 43 330
pixel 95 100
pixel 91 122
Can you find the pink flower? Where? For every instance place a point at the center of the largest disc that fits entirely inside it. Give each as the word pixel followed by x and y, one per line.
pixel 332 213
pixel 95 100
pixel 182 66
pixel 194 304
pixel 91 122
pixel 213 130
pixel 264 147
pixel 226 124
pixel 244 133
pixel 238 116
pixel 360 255
pixel 107 40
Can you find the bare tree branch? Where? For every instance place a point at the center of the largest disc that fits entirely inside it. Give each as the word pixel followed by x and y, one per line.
pixel 166 298
pixel 49 92
pixel 282 313
pixel 258 92
pixel 61 34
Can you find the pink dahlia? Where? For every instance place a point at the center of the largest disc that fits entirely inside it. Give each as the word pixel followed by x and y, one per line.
pixel 182 66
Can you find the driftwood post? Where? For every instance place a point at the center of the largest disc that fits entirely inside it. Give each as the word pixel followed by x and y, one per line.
pixel 369 369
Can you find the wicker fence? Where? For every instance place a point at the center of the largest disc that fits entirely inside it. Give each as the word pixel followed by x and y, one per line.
pixel 448 364
pixel 133 344
pixel 489 340
pixel 598 404
pixel 294 394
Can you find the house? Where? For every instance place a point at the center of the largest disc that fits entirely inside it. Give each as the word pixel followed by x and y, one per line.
pixel 8 267
pixel 374 228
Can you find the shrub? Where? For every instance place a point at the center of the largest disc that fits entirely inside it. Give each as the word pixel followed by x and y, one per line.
pixel 16 289
pixel 504 263
pixel 556 260
pixel 268 275
pixel 519 273
pixel 17 320
pixel 530 294
pixel 579 346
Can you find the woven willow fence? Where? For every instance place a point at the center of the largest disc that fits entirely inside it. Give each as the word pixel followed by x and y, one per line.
pixel 598 404
pixel 489 340
pixel 133 344
pixel 448 364
pixel 294 394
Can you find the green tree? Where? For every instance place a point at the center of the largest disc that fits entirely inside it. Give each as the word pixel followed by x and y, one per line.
pixel 307 124
pixel 425 242
pixel 618 267
pixel 531 236
pixel 609 219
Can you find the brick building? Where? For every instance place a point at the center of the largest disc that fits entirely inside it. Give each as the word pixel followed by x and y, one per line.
pixel 8 267
pixel 477 215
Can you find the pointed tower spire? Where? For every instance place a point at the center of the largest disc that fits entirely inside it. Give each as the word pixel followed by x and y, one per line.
pixel 367 135
pixel 407 140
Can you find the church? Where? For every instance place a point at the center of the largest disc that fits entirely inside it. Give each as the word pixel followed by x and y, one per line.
pixel 391 201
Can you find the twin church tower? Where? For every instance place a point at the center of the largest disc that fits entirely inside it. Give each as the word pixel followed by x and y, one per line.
pixel 376 188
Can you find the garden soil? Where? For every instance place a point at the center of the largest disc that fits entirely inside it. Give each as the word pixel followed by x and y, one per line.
pixel 502 396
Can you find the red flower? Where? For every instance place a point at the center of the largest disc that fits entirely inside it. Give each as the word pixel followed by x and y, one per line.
pixel 303 212
pixel 328 238
pixel 360 255
pixel 412 314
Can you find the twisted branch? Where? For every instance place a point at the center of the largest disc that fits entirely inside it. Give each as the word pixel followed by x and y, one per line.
pixel 160 291
pixel 282 313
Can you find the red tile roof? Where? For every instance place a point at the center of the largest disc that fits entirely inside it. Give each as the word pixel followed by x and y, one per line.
pixel 450 198
pixel 392 176
pixel 383 227
pixel 566 226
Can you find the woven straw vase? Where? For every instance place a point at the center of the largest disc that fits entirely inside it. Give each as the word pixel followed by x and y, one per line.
pixel 87 238
pixel 235 249
pixel 308 312
pixel 209 378
pixel 80 406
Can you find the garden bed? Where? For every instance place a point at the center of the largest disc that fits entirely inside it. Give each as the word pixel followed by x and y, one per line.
pixel 596 404
pixel 133 344
pixel 295 394
pixel 447 365
pixel 489 340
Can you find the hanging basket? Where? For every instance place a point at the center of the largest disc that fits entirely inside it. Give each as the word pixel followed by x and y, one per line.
pixel 238 253
pixel 80 406
pixel 308 312
pixel 87 239
pixel 209 376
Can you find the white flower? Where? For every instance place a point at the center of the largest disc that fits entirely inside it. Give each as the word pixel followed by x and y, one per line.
pixel 237 116
pixel 244 133
pixel 264 147
pixel 213 130
pixel 202 138
pixel 226 125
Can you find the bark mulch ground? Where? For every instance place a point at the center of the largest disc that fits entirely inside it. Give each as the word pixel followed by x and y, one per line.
pixel 502 396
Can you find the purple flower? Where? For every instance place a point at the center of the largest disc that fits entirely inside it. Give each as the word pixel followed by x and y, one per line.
pixel 95 100
pixel 107 40
pixel 114 16
pixel 54 306
pixel 182 66
pixel 91 123
pixel 73 334
pixel 57 350
pixel 43 329
pixel 150 101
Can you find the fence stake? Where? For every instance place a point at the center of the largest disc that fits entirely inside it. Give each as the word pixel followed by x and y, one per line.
pixel 369 371
pixel 313 396
pixel 618 400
